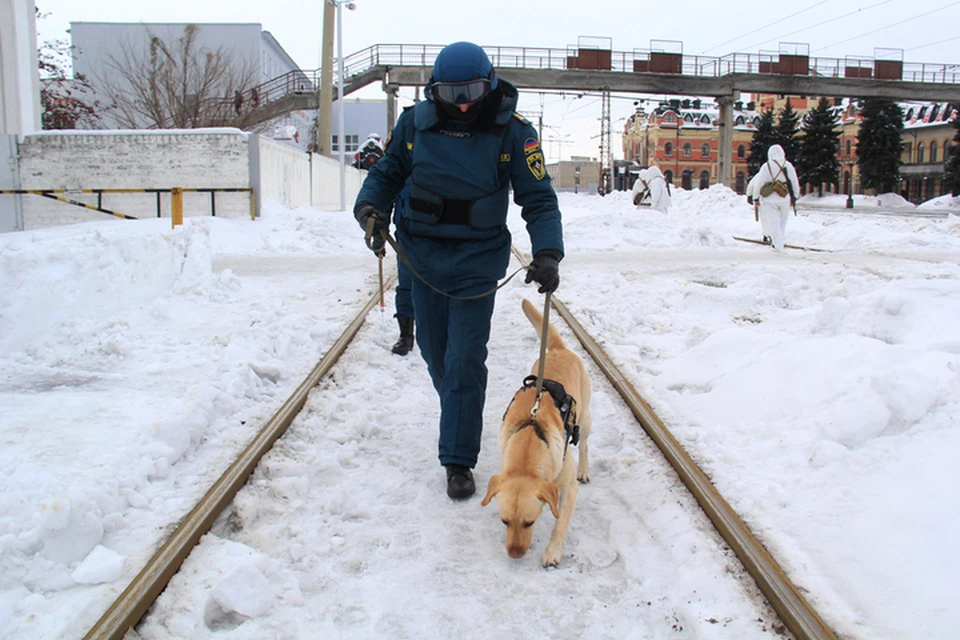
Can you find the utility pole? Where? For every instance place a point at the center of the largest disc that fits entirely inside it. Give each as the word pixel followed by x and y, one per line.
pixel 325 98
pixel 605 150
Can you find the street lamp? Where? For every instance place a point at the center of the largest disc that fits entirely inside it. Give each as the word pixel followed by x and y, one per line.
pixel 340 136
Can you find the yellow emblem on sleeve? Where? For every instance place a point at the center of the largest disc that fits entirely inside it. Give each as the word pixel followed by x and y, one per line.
pixel 536 165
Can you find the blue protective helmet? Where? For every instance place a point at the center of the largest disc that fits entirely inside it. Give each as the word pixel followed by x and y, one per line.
pixel 462 61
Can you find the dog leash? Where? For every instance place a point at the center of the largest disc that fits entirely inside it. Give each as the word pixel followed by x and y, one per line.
pixel 393 243
pixel 544 331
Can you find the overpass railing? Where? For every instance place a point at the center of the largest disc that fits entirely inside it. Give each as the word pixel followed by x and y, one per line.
pixel 579 58
pixel 645 61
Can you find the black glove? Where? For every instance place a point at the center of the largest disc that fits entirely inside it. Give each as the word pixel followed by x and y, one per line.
pixel 545 269
pixel 749 199
pixel 363 212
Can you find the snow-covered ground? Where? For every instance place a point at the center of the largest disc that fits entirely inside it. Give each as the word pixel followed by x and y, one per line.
pixel 818 390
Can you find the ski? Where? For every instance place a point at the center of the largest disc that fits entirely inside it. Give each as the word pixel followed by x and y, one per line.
pixel 788 246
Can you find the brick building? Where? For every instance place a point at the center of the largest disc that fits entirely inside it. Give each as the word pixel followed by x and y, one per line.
pixel 682 138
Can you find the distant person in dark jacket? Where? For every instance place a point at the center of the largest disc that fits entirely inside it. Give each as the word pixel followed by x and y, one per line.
pixel 462 148
pixel 368 153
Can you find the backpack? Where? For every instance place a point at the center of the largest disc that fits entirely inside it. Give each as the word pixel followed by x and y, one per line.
pixel 775 185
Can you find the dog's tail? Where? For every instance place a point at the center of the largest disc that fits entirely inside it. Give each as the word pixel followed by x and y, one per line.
pixel 554 341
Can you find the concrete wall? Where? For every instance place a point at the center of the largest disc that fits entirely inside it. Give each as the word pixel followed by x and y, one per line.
pixel 202 158
pixel 284 174
pixel 326 183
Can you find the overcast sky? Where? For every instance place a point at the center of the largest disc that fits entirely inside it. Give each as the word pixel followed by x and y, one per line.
pixel 926 30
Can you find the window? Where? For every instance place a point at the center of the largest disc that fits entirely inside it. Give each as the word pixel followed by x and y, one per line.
pixel 849 148
pixel 741 182
pixel 705 150
pixel 670 118
pixel 687 149
pixel 668 176
pixel 686 181
pixel 704 179
pixel 933 151
pixel 668 149
pixel 920 153
pixel 353 142
pixel 741 152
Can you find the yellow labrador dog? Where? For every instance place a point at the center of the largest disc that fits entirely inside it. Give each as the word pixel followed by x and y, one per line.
pixel 536 456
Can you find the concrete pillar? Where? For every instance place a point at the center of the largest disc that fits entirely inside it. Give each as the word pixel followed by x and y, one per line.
pixel 725 146
pixel 325 114
pixel 19 73
pixel 391 91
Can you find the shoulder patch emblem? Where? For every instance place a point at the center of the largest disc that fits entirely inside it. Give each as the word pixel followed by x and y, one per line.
pixel 530 145
pixel 536 165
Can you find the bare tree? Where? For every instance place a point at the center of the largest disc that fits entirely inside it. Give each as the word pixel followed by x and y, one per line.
pixel 176 85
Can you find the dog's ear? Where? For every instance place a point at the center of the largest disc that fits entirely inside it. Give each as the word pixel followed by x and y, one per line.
pixel 549 493
pixel 493 488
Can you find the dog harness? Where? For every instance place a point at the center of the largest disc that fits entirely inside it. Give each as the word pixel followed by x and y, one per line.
pixel 565 404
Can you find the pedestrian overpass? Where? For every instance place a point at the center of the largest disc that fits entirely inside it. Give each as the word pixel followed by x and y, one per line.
pixel 660 69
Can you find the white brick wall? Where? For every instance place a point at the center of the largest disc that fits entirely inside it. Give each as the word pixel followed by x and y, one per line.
pixel 133 160
pixel 202 158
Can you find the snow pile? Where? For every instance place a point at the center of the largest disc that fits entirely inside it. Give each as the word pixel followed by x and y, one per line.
pixel 819 392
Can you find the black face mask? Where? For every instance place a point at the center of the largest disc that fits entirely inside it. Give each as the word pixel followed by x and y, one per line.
pixel 454 114
pixel 480 116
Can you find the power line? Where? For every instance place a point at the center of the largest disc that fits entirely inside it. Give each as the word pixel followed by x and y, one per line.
pixel 924 46
pixel 896 24
pixel 792 15
pixel 820 24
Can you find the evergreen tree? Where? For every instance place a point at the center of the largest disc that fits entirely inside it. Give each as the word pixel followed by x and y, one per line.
pixel 817 160
pixel 878 144
pixel 951 173
pixel 785 134
pixel 763 138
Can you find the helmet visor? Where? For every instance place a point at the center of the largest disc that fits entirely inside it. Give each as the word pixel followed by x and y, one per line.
pixel 461 92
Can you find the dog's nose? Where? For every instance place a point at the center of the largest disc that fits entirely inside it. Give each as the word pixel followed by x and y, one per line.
pixel 516 552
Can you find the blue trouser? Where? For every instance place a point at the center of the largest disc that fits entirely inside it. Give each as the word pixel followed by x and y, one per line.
pixel 452 334
pixel 404 295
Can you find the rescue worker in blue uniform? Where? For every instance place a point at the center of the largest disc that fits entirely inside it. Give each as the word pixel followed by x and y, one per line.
pixel 462 148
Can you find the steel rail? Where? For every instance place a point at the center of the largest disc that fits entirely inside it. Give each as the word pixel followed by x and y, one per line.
pixel 795 612
pixel 793 609
pixel 133 603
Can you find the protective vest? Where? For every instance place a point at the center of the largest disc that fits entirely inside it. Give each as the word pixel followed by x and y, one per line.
pixel 460 185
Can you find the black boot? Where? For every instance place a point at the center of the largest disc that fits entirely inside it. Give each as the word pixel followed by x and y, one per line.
pixel 460 483
pixel 405 343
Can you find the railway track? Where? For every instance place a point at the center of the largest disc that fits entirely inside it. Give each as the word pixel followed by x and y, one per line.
pixel 407 478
